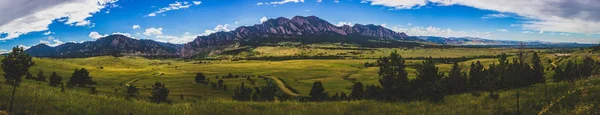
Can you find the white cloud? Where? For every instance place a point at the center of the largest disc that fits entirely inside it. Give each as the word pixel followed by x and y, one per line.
pixel 48 33
pixel 502 30
pixel 52 41
pixel 24 46
pixel 409 24
pixel 263 19
pixel 433 31
pixel 3 51
pixel 153 31
pixel 185 38
pixel 383 25
pixel 319 1
pixel 343 23
pixel 136 26
pixel 20 17
pixel 572 16
pixel 197 2
pixel 219 28
pixel 492 16
pixel 336 1
pixel 279 2
pixel 527 32
pixel 175 6
pixel 96 35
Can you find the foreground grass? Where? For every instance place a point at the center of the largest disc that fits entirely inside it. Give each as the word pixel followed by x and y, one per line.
pixel 37 98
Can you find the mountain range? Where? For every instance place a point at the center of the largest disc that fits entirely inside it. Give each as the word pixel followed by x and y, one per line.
pixel 310 29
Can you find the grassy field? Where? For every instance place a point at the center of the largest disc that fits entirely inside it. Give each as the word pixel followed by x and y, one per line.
pixel 337 75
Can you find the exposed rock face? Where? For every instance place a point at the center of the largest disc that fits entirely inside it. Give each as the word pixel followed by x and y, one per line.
pixel 110 45
pixel 305 29
pixel 283 28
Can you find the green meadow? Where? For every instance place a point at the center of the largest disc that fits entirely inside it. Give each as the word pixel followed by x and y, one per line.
pixel 112 74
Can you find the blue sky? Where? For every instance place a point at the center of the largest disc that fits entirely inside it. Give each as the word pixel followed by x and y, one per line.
pixel 53 22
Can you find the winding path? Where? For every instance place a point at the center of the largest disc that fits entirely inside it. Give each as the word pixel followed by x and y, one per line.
pixel 547 107
pixel 281 86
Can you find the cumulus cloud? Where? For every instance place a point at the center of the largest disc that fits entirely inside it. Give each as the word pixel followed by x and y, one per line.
pixel 48 33
pixel 219 28
pixel 263 19
pixel 502 30
pixel 343 23
pixel 96 35
pixel 153 31
pixel 175 6
pixel 279 2
pixel 434 31
pixel 51 41
pixel 3 51
pixel 20 17
pixel 572 16
pixel 492 16
pixel 136 26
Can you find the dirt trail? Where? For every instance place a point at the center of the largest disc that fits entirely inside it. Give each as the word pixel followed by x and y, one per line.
pixel 132 81
pixel 547 107
pixel 283 88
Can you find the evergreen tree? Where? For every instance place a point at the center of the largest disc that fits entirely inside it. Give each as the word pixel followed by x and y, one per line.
pixel 317 92
pixel 15 65
pixel 373 92
pixel 132 91
pixel 394 78
pixel 343 97
pixel 335 97
pixel 55 79
pixel 538 69
pixel 200 78
pixel 357 91
pixel 242 93
pixel 40 76
pixel 159 93
pixel 476 76
pixel 29 76
pixel 428 81
pixel 456 81
pixel 80 77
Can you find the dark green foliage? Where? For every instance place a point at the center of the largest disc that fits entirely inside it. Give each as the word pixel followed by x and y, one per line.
pixel 80 77
pixel 335 97
pixel 131 91
pixel 428 84
pixel 457 82
pixel 343 97
pixel 55 79
pixel 357 91
pixel 200 78
pixel 159 93
pixel 538 69
pixel 373 92
pixel 317 92
pixel 394 78
pixel 242 93
pixel 40 76
pixel 16 65
pixel 476 76
pixel 29 76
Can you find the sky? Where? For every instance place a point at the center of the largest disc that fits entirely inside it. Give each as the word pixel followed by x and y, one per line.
pixel 26 23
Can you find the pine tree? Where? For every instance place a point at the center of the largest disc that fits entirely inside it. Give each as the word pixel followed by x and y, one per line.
pixel 357 91
pixel 132 91
pixel 317 92
pixel 200 78
pixel 428 81
pixel 538 69
pixel 456 81
pixel 159 93
pixel 55 79
pixel 40 76
pixel 242 93
pixel 16 65
pixel 80 77
pixel 394 78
